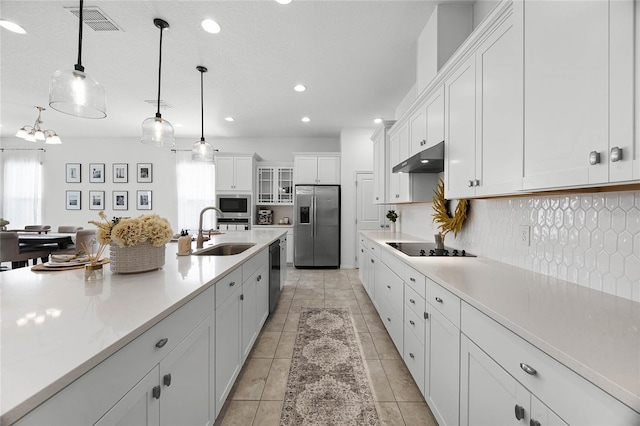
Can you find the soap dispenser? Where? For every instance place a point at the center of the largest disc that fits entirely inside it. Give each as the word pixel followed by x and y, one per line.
pixel 184 243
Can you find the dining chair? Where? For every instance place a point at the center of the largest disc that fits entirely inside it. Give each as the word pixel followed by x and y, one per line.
pixel 82 236
pixel 69 229
pixel 39 228
pixel 10 251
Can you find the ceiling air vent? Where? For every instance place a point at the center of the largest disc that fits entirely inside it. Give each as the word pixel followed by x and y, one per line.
pixel 154 102
pixel 95 19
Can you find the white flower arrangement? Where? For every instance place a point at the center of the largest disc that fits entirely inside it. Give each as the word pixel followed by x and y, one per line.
pixel 127 232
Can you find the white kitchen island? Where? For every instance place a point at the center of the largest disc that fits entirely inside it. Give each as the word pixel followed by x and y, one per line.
pixel 56 327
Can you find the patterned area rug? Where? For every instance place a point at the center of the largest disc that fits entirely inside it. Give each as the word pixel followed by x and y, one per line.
pixel 327 382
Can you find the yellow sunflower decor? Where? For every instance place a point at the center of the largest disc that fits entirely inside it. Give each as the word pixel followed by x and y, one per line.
pixel 441 214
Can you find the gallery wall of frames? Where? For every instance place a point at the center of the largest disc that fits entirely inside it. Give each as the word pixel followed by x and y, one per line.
pixel 117 173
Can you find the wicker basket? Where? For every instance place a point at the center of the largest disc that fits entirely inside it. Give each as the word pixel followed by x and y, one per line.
pixel 139 258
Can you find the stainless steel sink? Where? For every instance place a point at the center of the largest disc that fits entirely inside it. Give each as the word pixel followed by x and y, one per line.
pixel 224 249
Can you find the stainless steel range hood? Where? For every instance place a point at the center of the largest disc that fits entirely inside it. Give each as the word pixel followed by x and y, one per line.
pixel 431 160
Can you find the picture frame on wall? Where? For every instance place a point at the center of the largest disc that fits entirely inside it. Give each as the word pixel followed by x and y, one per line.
pixel 96 200
pixel 120 200
pixel 143 199
pixel 96 172
pixel 120 173
pixel 145 172
pixel 72 200
pixel 72 173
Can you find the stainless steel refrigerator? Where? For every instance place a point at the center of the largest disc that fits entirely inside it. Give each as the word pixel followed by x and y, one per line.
pixel 317 226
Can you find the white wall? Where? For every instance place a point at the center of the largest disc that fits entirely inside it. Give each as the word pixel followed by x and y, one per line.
pixel 588 239
pixel 132 151
pixel 357 156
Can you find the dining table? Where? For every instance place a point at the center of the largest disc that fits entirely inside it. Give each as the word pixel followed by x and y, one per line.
pixel 63 240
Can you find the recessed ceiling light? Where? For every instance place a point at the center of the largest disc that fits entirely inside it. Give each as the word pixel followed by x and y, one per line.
pixel 306 119
pixel 12 26
pixel 284 1
pixel 229 119
pixel 300 88
pixel 377 120
pixel 210 26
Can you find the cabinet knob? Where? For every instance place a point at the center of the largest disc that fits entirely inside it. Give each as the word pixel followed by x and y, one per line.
pixel 162 342
pixel 412 279
pixel 382 225
pixel 232 283
pixel 372 261
pixel 242 297
pixel 616 154
pixel 411 355
pixel 438 299
pixel 528 369
pixel 376 198
pixel 259 278
pixel 534 422
pixel 388 319
pixel 519 411
pixel 389 287
pixel 361 250
pixel 426 315
pixel 412 301
pixel 476 182
pixel 156 392
pixel 470 184
pixel 166 380
pixel 411 322
pixel 594 157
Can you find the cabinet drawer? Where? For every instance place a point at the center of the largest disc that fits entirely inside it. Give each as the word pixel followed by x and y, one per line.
pixel 413 300
pixel 415 323
pixel 227 285
pixel 572 397
pixel 414 357
pixel 103 386
pixel 444 301
pixel 415 279
pixel 252 265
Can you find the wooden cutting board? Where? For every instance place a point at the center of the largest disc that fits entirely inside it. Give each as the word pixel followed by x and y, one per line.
pixel 41 267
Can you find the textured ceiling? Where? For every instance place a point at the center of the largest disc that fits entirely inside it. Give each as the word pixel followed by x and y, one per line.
pixel 357 59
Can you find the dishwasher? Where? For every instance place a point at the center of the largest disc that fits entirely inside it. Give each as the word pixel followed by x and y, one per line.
pixel 274 275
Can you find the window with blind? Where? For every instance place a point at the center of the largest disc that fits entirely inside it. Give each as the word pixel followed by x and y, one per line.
pixel 196 190
pixel 22 187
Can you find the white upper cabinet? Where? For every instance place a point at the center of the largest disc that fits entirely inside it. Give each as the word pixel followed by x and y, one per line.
pixel 434 114
pixel 317 169
pixel 381 161
pixel 578 81
pixel 275 184
pixel 483 99
pixel 417 131
pixel 234 173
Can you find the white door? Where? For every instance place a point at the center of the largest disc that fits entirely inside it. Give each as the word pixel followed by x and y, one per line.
pixel 369 216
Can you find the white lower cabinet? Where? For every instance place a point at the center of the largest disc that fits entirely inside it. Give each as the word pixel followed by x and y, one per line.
pixel 228 345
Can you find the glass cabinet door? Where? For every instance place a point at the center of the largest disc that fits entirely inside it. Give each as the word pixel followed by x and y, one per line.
pixel 285 185
pixel 265 185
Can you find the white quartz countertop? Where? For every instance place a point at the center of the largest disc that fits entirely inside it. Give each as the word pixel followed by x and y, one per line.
pixel 595 334
pixel 56 327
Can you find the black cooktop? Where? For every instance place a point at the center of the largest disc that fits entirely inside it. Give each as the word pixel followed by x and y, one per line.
pixel 428 249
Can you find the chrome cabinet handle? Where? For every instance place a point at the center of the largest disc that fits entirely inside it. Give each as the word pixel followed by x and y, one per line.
pixel 519 411
pixel 259 278
pixel 411 322
pixel 232 283
pixel 534 422
pixel 166 380
pixel 426 315
pixel 594 158
pixel 470 184
pixel 388 286
pixel 412 279
pixel 411 355
pixel 388 319
pixel 438 299
pixel 412 301
pixel 162 342
pixel 156 392
pixel 372 261
pixel 476 182
pixel 616 154
pixel 528 369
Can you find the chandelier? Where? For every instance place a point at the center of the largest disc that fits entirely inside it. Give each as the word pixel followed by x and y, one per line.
pixel 35 133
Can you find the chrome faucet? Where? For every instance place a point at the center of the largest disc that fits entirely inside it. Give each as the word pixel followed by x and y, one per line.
pixel 200 240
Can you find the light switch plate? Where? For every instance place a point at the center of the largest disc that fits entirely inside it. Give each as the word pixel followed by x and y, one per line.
pixel 525 235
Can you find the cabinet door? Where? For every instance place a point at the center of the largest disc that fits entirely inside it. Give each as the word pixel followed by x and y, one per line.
pixel 249 300
pixel 186 378
pixel 243 173
pixel 434 111
pixel 379 170
pixel 444 369
pixel 225 174
pixel 394 159
pixel 266 185
pixel 566 82
pixel 227 346
pixel 460 146
pixel 290 240
pixel 305 170
pixel 541 415
pixel 417 131
pixel 404 179
pixel 500 105
pixel 138 406
pixel 284 185
pixel 262 303
pixel 329 170
pixel 488 394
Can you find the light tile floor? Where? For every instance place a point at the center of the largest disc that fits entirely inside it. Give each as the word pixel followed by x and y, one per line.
pixel 256 398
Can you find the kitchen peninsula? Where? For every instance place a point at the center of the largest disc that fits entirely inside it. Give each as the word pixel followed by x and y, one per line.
pixel 56 328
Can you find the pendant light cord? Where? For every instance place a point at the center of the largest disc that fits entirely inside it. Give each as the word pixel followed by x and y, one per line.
pixel 78 66
pixel 202 104
pixel 159 73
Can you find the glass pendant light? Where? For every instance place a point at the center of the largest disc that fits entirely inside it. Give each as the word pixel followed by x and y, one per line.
pixel 75 93
pixel 156 130
pixel 202 150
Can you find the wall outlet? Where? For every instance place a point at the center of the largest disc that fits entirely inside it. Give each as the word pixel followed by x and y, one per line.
pixel 525 235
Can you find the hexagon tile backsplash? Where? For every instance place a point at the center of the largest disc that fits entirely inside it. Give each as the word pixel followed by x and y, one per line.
pixel 589 239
